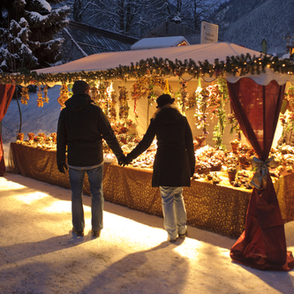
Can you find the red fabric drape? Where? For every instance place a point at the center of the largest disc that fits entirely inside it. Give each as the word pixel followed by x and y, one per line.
pixel 6 93
pixel 262 245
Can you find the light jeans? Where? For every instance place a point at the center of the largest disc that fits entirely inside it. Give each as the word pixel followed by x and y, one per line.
pixel 95 177
pixel 174 212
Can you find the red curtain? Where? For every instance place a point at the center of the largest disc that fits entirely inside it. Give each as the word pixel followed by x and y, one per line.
pixel 6 93
pixel 262 245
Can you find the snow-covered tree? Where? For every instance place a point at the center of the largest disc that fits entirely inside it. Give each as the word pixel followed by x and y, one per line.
pixel 196 11
pixel 129 17
pixel 27 34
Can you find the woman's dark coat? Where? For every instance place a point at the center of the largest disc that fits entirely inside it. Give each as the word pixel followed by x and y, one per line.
pixel 174 162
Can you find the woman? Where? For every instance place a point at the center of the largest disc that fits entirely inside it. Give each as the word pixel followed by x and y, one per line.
pixel 174 162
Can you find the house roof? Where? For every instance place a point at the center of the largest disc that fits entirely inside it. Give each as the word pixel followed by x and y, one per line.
pixel 163 42
pixel 93 40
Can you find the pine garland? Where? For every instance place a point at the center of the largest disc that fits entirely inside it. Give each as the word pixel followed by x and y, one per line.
pixel 241 65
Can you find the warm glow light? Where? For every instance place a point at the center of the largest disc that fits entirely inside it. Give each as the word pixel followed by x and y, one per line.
pixel 109 90
pixel 59 206
pixel 198 90
pixel 31 198
pixel 8 188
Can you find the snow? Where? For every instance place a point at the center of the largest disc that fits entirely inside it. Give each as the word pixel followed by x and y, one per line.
pixel 45 5
pixel 37 17
pixel 161 42
pixel 39 254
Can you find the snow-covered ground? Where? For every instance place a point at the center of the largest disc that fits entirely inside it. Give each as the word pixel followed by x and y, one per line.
pixel 39 254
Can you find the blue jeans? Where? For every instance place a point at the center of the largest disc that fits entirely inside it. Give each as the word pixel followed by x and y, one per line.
pixel 95 177
pixel 174 212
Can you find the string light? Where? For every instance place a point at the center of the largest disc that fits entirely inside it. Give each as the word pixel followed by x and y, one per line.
pixel 159 67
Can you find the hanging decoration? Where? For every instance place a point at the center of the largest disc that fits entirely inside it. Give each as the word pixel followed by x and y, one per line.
pixel 145 86
pixel 218 96
pixel 234 125
pixel 183 97
pixel 166 88
pixel 94 94
pixel 151 91
pixel 123 103
pixel 201 96
pixel 136 109
pixel 191 100
pixel 287 118
pixel 102 97
pixel 64 95
pixel 135 95
pixel 140 88
pixel 25 97
pixel 111 102
pixel 41 100
pixel 45 91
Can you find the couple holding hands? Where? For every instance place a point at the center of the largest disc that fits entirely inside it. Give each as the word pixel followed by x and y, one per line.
pixel 81 128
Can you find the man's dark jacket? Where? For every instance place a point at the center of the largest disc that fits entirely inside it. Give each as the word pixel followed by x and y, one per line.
pixel 81 127
pixel 174 162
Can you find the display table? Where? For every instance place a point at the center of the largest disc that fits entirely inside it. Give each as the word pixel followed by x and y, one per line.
pixel 217 208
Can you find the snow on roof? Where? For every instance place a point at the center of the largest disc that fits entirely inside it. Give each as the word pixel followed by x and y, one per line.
pixel 287 55
pixel 200 52
pixel 161 42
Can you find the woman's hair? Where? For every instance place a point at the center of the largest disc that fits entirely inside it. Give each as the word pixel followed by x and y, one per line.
pixel 174 106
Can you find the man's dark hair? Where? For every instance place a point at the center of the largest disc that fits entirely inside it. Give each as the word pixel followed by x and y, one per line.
pixel 80 87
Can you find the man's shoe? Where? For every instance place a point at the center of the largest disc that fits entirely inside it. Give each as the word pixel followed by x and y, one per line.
pixel 95 234
pixel 183 236
pixel 78 233
pixel 171 240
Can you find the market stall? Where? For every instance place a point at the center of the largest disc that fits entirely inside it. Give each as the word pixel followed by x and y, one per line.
pixel 256 84
pixel 220 208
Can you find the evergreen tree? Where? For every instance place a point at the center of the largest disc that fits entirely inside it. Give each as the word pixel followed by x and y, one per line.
pixel 27 30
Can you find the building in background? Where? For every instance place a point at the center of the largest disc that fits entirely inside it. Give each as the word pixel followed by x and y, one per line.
pixel 82 40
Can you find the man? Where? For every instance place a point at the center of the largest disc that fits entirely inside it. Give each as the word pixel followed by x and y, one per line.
pixel 81 128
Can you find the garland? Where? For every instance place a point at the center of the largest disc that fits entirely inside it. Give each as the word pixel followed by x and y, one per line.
pixel 218 98
pixel 234 125
pixel 123 103
pixel 236 65
pixel 145 87
pixel 201 98
pixel 183 97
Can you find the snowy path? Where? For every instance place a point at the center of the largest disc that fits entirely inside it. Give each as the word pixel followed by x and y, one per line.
pixel 39 254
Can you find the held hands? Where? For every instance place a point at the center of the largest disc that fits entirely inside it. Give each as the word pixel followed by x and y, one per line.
pixel 124 160
pixel 62 168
